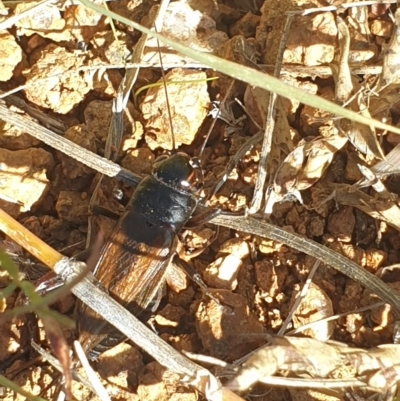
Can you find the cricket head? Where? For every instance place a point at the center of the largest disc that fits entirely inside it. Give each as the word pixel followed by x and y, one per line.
pixel 180 171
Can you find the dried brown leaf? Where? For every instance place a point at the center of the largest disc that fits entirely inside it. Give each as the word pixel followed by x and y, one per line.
pixel 390 165
pixel 305 165
pixel 60 349
pixel 391 61
pixel 377 367
pixel 316 358
pixel 342 74
pixel 385 210
pixel 286 177
pixel 363 137
pixel 320 153
pixel 379 364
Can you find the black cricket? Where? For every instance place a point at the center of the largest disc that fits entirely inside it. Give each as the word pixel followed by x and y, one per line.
pixel 133 262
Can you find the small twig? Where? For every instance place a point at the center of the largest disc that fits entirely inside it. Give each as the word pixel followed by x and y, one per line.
pixel 58 126
pixel 124 91
pixel 258 194
pixel 53 361
pixel 319 383
pixel 322 70
pixel 249 115
pixel 206 359
pixel 299 298
pixel 252 141
pixel 334 317
pixel 342 5
pixel 69 148
pixel 294 70
pixel 101 392
pixel 342 76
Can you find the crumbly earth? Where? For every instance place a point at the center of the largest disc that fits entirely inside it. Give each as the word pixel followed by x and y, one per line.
pixel 256 280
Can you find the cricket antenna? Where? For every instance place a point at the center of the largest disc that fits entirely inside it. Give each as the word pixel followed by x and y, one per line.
pixel 203 146
pixel 166 93
pixel 215 115
pixel 207 137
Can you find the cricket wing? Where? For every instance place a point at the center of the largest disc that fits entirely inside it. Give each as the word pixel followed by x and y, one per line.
pixel 138 267
pixel 132 268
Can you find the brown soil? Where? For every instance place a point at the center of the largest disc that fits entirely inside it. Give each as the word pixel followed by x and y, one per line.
pixel 256 279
